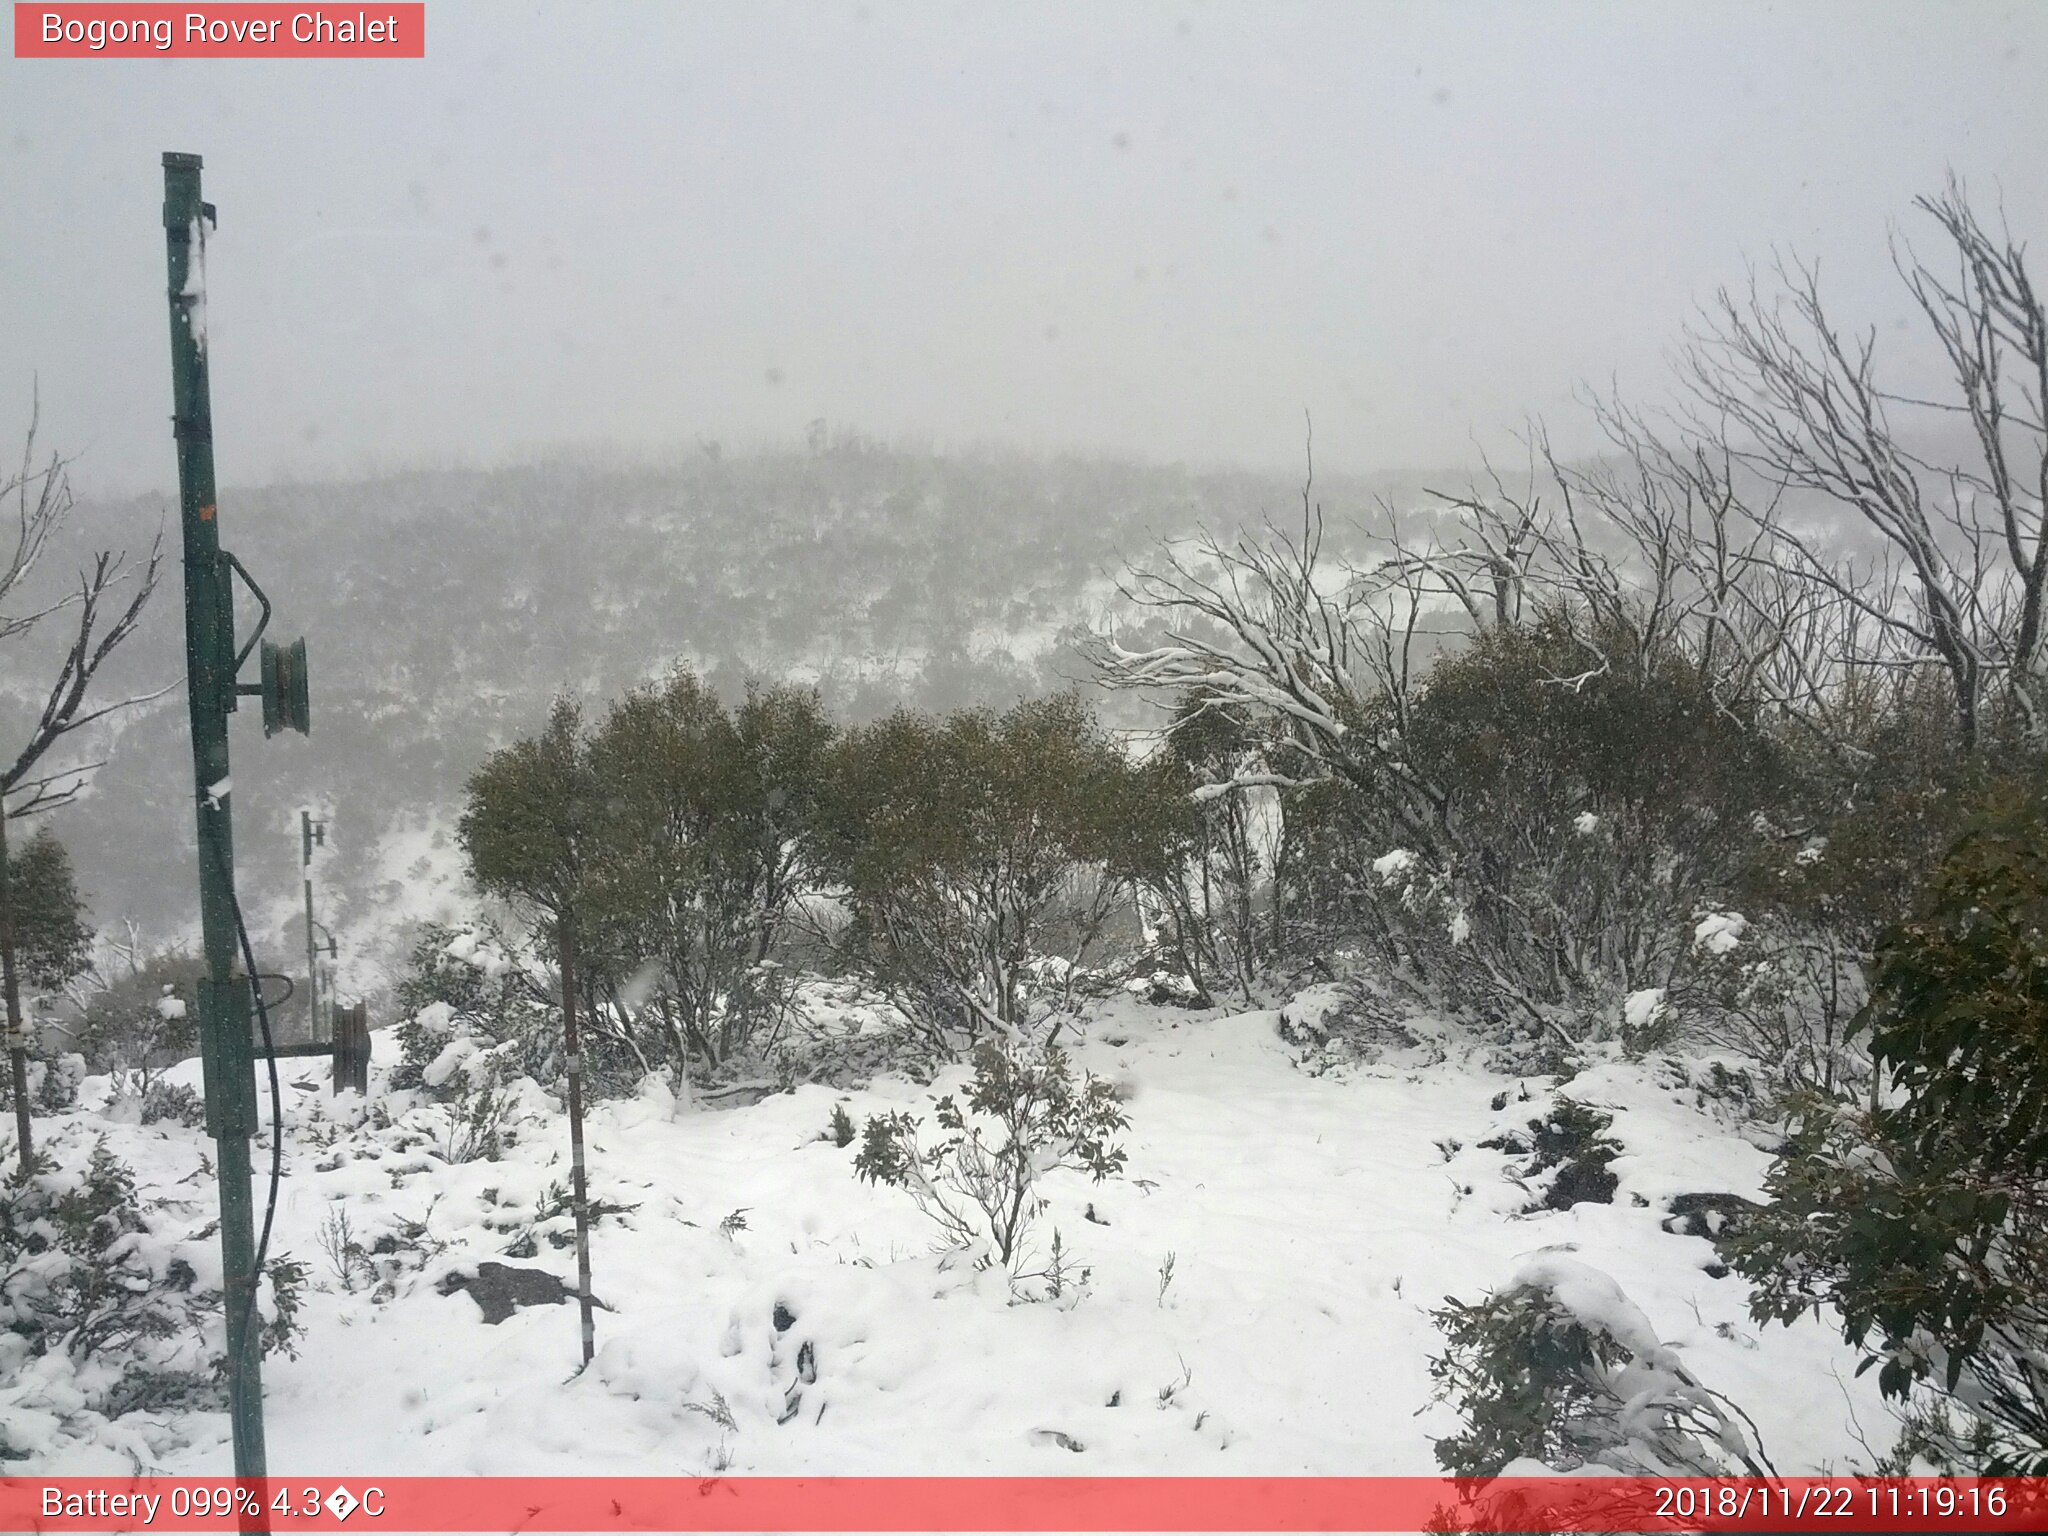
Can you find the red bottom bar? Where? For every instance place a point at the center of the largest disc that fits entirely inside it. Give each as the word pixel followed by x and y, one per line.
pixel 993 1504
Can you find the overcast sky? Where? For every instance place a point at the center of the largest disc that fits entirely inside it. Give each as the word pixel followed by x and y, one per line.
pixel 1165 228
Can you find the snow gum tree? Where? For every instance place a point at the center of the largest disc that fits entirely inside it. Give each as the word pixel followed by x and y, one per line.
pixel 982 855
pixel 1222 853
pixel 705 840
pixel 525 833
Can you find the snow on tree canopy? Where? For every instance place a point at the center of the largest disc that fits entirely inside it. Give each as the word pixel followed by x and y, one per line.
pixel 1719 932
pixel 1643 1008
pixel 1394 866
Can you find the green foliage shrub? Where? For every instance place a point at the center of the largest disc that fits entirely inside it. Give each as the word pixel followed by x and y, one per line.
pixel 1562 1369
pixel 982 855
pixel 1025 1116
pixel 703 843
pixel 1921 1220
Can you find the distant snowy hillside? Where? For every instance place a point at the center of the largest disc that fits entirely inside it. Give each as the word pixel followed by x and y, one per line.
pixel 444 609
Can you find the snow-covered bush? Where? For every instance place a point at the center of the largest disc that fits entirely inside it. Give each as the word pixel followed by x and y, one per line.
pixel 1538 824
pixel 1783 996
pixel 475 1035
pixel 465 994
pixel 103 1286
pixel 1561 1369
pixel 1025 1116
pixel 1360 1020
pixel 174 1102
pixel 53 1083
pixel 1568 1150
pixel 80 1270
pixel 1850 854
pixel 139 1016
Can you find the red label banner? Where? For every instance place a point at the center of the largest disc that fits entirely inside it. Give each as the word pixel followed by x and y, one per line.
pixel 992 1504
pixel 243 31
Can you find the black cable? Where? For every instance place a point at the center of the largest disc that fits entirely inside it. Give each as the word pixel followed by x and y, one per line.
pixel 276 1105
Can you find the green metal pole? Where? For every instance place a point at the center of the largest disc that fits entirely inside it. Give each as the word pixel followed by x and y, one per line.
pixel 225 1046
pixel 312 955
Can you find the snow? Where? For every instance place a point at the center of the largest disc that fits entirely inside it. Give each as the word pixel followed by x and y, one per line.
pixel 1256 1301
pixel 1594 1300
pixel 194 291
pixel 1717 933
pixel 1585 824
pixel 1395 866
pixel 1643 1008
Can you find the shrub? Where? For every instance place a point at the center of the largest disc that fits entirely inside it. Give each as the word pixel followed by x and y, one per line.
pixel 90 1272
pixel 475 1016
pixel 53 1083
pixel 704 841
pixel 464 991
pixel 141 1019
pixel 1922 1220
pixel 1581 810
pixel 1849 852
pixel 75 1277
pixel 1563 1369
pixel 1785 996
pixel 1025 1116
pixel 982 855
pixel 1572 1145
pixel 840 1129
pixel 476 1124
pixel 1216 844
pixel 174 1102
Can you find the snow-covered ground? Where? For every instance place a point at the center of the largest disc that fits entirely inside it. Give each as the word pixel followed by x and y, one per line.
pixel 1259 1281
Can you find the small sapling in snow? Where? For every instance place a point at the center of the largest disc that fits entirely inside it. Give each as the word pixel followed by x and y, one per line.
pixel 1025 1116
pixel 840 1130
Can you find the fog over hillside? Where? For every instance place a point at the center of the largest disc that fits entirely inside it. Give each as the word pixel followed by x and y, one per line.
pixel 444 609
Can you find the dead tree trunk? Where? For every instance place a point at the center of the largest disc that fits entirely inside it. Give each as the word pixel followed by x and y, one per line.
pixel 17 1031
